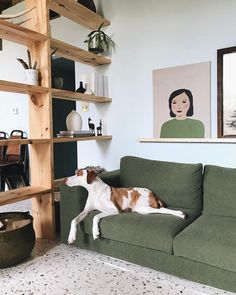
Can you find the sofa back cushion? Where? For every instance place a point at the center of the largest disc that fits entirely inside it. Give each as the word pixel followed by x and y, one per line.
pixel 178 185
pixel 219 187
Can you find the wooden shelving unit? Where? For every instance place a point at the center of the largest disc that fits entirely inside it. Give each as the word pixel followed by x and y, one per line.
pixel 77 54
pixel 85 138
pixel 78 13
pixel 19 34
pixel 75 96
pixel 23 141
pixel 9 86
pixel 35 34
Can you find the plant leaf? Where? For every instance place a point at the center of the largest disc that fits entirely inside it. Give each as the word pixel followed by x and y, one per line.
pixel 24 64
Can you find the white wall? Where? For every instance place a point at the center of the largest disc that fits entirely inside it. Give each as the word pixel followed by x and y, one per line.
pixel 149 35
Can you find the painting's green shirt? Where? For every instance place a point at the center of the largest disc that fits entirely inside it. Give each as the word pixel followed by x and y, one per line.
pixel 187 128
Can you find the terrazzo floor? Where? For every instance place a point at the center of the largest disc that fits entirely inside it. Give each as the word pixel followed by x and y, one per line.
pixel 58 269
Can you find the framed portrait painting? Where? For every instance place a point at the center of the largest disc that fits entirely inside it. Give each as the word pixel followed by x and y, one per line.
pixel 181 101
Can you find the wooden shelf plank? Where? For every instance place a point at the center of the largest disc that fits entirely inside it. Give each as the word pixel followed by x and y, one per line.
pixel 16 87
pixel 76 96
pixel 5 142
pixel 78 13
pixel 21 194
pixel 74 53
pixel 18 34
pixel 187 140
pixel 85 138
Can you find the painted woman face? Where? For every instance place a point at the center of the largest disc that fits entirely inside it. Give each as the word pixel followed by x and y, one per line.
pixel 180 106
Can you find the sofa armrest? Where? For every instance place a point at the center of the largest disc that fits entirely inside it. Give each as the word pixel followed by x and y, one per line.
pixel 111 178
pixel 72 202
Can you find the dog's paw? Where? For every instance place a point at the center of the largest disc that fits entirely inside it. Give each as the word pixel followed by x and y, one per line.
pixel 71 238
pixel 72 235
pixel 96 233
pixel 181 215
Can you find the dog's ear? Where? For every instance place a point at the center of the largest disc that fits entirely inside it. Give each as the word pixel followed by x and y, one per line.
pixel 79 172
pixel 91 175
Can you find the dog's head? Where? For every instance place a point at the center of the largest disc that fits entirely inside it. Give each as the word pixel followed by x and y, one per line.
pixel 82 177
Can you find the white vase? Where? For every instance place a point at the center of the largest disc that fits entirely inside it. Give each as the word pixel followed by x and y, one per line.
pixel 32 76
pixel 74 121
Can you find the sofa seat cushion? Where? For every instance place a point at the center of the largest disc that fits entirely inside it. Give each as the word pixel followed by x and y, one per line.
pixel 177 184
pixel 155 231
pixel 210 240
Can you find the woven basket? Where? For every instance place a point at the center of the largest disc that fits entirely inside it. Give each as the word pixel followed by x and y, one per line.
pixel 18 240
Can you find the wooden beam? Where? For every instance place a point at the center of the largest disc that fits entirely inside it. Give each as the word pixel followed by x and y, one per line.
pixel 8 86
pixel 41 155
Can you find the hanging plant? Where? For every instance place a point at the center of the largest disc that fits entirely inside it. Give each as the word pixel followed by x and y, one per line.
pixel 99 42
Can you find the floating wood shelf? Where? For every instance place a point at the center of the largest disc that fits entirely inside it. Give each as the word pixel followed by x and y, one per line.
pixel 75 96
pixel 18 34
pixel 9 86
pixel 5 142
pixel 78 13
pixel 187 140
pixel 85 138
pixel 21 194
pixel 74 53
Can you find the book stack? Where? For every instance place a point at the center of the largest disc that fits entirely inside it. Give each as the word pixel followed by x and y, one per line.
pixel 98 83
pixel 79 133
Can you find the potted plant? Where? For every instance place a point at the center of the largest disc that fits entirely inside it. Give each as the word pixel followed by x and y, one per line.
pixel 31 72
pixel 99 42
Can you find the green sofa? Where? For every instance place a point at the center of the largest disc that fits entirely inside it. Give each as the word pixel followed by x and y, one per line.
pixel 201 248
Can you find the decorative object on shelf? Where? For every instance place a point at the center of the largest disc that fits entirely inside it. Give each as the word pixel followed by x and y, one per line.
pixel 77 133
pixel 89 91
pixel 88 3
pixel 31 72
pixel 17 240
pixel 12 16
pixel 74 121
pixel 81 88
pixel 226 91
pixel 99 128
pixel 57 81
pixel 99 42
pixel 91 126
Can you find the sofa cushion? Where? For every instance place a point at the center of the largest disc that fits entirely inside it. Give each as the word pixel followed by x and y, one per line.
pixel 177 184
pixel 219 187
pixel 210 240
pixel 155 231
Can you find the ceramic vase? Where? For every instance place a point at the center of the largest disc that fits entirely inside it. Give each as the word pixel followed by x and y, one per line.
pixel 32 76
pixel 74 121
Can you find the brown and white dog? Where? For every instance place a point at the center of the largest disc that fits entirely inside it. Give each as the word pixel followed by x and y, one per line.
pixel 110 201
